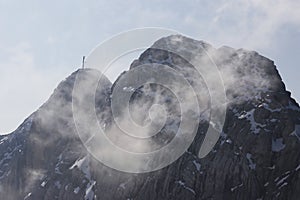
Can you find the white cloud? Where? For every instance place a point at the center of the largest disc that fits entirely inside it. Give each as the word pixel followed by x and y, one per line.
pixel 55 37
pixel 23 86
pixel 253 23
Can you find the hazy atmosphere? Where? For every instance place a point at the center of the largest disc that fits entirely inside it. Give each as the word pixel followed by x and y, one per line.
pixel 41 42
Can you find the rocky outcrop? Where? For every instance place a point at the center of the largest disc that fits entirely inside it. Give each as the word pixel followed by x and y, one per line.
pixel 256 157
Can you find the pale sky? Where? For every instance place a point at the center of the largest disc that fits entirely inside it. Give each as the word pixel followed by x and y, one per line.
pixel 42 42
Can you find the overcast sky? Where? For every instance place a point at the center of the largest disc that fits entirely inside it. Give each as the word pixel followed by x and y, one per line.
pixel 42 42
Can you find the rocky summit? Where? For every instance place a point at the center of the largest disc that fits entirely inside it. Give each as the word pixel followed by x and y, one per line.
pixel 256 157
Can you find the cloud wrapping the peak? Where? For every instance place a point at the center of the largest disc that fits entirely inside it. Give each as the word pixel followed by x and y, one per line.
pixel 43 42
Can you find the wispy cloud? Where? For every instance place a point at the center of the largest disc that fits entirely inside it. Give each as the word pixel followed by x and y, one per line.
pixel 55 42
pixel 254 23
pixel 23 86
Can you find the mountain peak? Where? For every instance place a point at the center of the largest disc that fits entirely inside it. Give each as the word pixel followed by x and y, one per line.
pixel 256 156
pixel 246 74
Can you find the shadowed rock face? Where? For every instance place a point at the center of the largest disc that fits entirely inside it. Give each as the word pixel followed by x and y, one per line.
pixel 256 157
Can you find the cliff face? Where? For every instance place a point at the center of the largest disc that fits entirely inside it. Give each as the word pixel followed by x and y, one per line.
pixel 256 157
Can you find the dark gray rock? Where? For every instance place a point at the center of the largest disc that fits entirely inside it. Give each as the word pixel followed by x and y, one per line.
pixel 256 157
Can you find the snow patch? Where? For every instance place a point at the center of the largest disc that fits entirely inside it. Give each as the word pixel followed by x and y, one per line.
pixel 28 195
pixel 266 184
pixel 128 89
pixel 266 106
pixel 122 185
pixel 296 132
pixel 181 183
pixel 197 165
pixel 43 184
pixel 89 193
pixel 281 182
pixel 236 187
pixel 298 167
pixel 284 184
pixel 277 145
pixel 272 168
pixel 229 141
pixel 252 165
pixel 60 161
pixel 83 165
pixel 3 139
pixel 76 190
pixel 255 127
